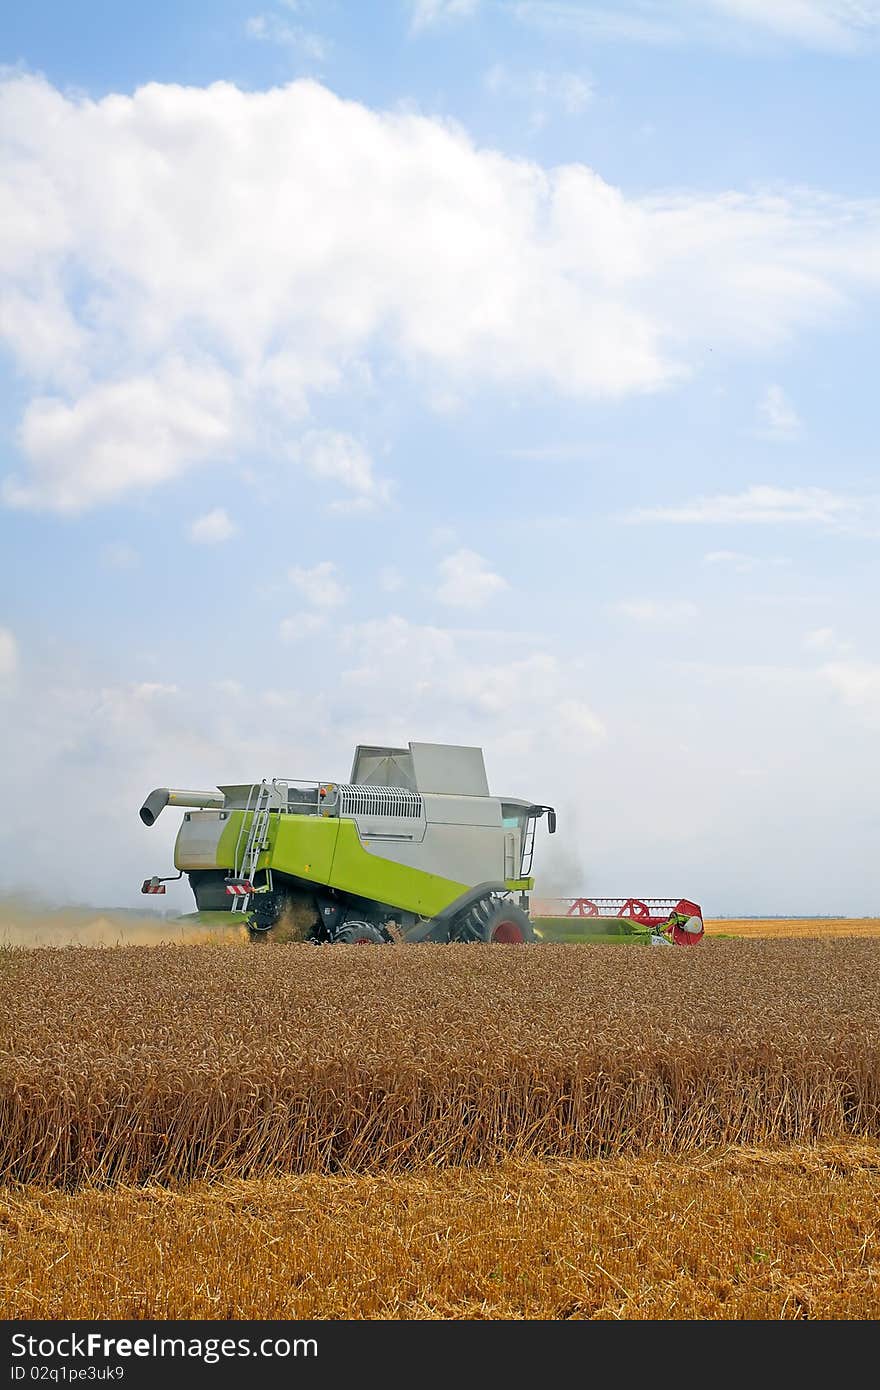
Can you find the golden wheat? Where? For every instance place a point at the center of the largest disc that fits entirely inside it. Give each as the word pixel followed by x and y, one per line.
pixel 737 1235
pixel 174 1063
pixel 793 926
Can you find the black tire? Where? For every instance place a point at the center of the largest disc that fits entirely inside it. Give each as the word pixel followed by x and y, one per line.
pixel 494 920
pixel 358 934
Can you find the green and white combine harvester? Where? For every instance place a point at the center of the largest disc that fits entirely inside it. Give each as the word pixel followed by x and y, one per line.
pixel 412 848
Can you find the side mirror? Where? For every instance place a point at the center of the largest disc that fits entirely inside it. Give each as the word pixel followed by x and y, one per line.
pixel 551 820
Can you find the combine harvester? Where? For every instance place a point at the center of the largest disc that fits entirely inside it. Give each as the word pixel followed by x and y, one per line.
pixel 412 848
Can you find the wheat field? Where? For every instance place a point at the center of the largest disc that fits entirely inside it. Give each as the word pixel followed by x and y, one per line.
pixel 820 927
pixel 215 1131
pixel 743 1234
pixel 175 1063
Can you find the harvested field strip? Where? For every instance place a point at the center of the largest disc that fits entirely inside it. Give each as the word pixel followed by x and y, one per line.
pixel 738 1235
pixel 170 1064
pixel 793 926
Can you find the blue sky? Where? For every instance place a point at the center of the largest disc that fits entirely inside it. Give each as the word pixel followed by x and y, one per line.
pixel 497 373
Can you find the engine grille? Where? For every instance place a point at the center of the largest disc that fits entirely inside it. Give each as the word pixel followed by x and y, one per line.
pixel 361 800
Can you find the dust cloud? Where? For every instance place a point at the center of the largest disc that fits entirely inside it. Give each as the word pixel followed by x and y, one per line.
pixel 25 922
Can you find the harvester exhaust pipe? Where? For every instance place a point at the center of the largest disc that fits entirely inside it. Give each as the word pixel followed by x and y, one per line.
pixel 170 796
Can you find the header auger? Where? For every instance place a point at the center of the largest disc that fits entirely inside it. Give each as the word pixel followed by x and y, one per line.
pixel 412 848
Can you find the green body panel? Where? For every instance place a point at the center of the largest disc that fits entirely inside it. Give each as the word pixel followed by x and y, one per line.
pixel 327 851
pixel 303 846
pixel 357 870
pixel 227 841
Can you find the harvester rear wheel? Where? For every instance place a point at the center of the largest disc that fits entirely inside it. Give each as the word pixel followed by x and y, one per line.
pixel 496 921
pixel 359 934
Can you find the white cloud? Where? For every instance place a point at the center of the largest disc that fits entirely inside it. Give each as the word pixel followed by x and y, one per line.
pixel 467 581
pixel 544 92
pixel 187 269
pixel 426 13
pixel 741 562
pixel 735 559
pixel 149 690
pixel 8 654
pixel 271 28
pixel 824 639
pixel 657 612
pixel 301 625
pixel 832 24
pixel 843 26
pixel 212 528
pixel 579 722
pixel 319 584
pixel 777 416
pixel 343 459
pixel 380 644
pixel 528 702
pixel 857 682
pixel 574 93
pixel 120 436
pixel 621 21
pixel 761 505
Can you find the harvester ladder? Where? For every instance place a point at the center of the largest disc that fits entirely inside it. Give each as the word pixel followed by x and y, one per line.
pixel 251 845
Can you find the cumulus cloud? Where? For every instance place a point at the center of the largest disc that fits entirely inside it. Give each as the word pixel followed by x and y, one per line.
pixel 212 528
pixel 761 505
pixel 186 269
pixel 777 417
pixel 467 581
pixel 120 436
pixel 320 584
pixel 342 458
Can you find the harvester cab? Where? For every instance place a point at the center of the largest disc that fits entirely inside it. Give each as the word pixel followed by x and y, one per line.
pixel 411 848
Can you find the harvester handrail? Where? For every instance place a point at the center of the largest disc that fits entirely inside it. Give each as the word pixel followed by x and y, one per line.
pixel 337 798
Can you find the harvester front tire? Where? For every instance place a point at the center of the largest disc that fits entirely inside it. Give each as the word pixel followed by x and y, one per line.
pixel 497 922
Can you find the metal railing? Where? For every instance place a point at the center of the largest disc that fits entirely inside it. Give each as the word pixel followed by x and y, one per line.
pixel 332 799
